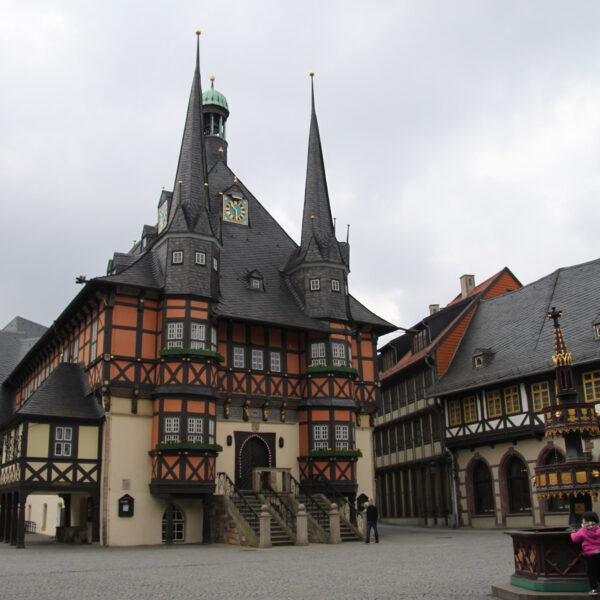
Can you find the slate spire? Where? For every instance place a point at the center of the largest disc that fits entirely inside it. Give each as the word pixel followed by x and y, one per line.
pixel 191 192
pixel 318 236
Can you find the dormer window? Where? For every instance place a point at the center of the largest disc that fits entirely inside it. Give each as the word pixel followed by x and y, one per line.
pixel 597 330
pixel 482 357
pixel 256 283
pixel 315 285
pixel 335 285
pixel 419 340
pixel 177 257
pixel 201 258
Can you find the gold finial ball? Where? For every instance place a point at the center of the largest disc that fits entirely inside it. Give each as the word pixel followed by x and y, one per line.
pixel 221 149
pixel 312 73
pixel 180 182
pixel 312 216
pixel 212 77
pixel 198 32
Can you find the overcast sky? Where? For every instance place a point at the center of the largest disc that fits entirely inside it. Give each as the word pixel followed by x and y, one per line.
pixel 459 137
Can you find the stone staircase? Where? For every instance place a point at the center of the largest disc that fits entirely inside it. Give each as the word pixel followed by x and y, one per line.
pixel 318 506
pixel 251 508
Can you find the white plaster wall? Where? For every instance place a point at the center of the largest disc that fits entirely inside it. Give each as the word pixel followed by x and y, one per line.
pixel 127 440
pixel 365 466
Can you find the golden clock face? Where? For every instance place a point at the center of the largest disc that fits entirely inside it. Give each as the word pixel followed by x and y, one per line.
pixel 235 210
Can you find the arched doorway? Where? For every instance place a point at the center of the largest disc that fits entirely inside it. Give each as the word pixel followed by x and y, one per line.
pixel 253 453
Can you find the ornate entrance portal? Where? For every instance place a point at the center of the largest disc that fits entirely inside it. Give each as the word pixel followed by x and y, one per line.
pixel 253 450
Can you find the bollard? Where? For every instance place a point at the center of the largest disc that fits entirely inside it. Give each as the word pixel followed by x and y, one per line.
pixel 265 527
pixel 301 526
pixel 334 525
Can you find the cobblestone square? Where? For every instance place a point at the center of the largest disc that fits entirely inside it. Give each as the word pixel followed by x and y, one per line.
pixel 409 563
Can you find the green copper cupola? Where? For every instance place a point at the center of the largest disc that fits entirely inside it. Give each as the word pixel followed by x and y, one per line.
pixel 215 111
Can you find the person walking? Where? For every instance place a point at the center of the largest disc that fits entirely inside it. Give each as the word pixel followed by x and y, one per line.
pixel 589 538
pixel 372 522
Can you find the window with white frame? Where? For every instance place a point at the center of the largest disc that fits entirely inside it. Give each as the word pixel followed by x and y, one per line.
pixel 171 433
pixel 275 362
pixel 175 334
pixel 94 340
pixel 320 437
pixel 76 349
pixel 215 264
pixel 177 257
pixel 211 431
pixel 255 283
pixel 257 360
pixel 194 429
pixel 338 354
pixel 63 441
pixel 317 354
pixel 200 258
pixel 335 285
pixel 38 380
pixel 197 336
pixel 342 437
pixel 238 357
pixel 315 285
pixel 213 339
pixel 66 356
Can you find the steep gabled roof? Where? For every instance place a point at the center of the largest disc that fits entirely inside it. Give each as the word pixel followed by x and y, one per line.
pixel 460 311
pixel 515 329
pixel 65 393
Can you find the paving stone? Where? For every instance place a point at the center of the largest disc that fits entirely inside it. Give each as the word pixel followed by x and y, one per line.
pixel 409 563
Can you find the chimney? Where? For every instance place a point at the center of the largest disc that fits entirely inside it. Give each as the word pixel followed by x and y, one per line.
pixel 433 308
pixel 467 285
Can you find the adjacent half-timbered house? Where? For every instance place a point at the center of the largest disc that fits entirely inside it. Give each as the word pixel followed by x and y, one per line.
pixel 499 387
pixel 413 470
pixel 215 345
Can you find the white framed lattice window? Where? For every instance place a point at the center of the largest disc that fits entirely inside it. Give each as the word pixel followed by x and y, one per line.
pixel 317 354
pixel 335 285
pixel 342 437
pixel 63 441
pixel 197 336
pixel 76 349
pixel 213 338
pixel 275 362
pixel 338 354
pixel 171 429
pixel 315 285
pixel 177 257
pixel 194 429
pixel 211 431
pixel 238 357
pixel 255 283
pixel 201 258
pixel 258 362
pixel 320 437
pixel 177 525
pixel 175 334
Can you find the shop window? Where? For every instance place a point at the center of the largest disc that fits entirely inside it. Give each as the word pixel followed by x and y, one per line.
pixel 483 489
pixel 517 486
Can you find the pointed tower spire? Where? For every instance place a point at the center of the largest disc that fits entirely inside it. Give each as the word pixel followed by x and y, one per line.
pixel 191 187
pixel 317 224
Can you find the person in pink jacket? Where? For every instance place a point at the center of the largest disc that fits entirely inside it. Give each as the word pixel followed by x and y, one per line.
pixel 589 538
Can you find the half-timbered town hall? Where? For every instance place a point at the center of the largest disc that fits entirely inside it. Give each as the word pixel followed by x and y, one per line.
pixel 216 365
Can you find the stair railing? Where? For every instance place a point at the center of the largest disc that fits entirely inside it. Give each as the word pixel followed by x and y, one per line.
pixel 313 505
pixel 281 508
pixel 347 508
pixel 226 487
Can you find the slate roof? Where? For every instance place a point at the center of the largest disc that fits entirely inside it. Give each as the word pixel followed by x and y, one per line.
pixel 441 323
pixel 16 339
pixel 515 328
pixel 65 393
pixel 261 246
